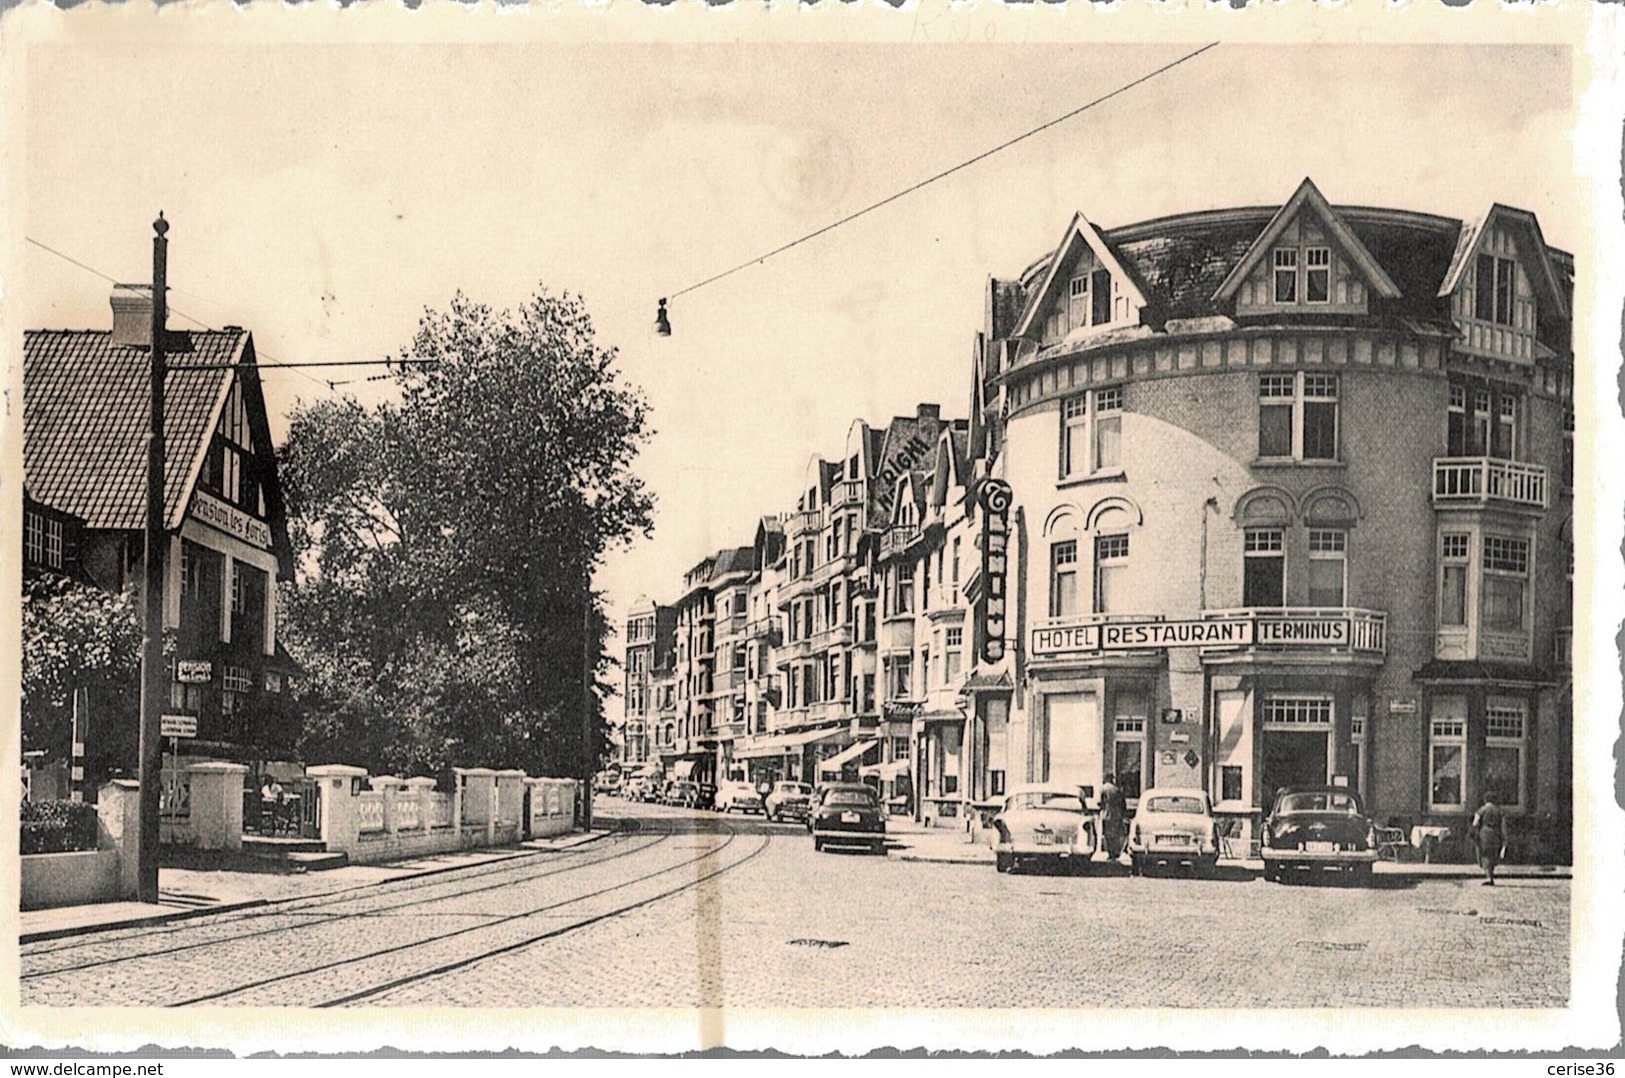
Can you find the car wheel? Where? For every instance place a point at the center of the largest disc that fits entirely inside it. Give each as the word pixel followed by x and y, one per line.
pixel 1271 874
pixel 1003 862
pixel 1362 875
pixel 880 847
pixel 818 844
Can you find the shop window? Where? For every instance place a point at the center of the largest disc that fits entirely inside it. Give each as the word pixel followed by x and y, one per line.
pixel 1298 416
pixel 1063 579
pixel 1091 432
pixel 1264 569
pixel 1286 275
pixel 1505 731
pixel 1493 290
pixel 1328 567
pixel 1453 566
pixel 1317 274
pixel 1506 575
pixel 1230 784
pixel 1298 711
pixel 1111 571
pixel 1447 755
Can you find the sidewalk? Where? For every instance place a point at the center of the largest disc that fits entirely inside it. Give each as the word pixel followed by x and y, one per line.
pixel 910 841
pixel 185 892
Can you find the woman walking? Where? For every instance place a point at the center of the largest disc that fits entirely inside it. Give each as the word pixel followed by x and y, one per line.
pixel 1490 836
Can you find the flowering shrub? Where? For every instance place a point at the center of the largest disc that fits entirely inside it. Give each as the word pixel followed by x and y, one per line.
pixel 57 827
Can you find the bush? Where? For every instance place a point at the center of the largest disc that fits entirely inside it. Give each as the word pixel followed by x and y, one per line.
pixel 57 827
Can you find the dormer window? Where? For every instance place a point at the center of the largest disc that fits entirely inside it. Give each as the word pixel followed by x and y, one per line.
pixel 1317 274
pixel 1286 275
pixel 1494 289
pixel 1088 303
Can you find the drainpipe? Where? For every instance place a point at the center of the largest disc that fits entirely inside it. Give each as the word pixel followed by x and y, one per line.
pixel 1201 573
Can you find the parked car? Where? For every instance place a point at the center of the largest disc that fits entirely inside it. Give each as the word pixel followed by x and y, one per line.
pixel 737 797
pixel 1174 827
pixel 1044 823
pixel 682 793
pixel 635 789
pixel 607 782
pixel 788 800
pixel 1316 829
pixel 847 814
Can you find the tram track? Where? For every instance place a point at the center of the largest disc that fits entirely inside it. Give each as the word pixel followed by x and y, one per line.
pixel 442 967
pixel 318 910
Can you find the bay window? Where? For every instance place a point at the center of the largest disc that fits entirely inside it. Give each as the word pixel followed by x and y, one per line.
pixel 1453 566
pixel 1506 576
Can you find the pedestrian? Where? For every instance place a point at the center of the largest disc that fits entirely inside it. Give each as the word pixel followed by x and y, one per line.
pixel 270 804
pixel 1113 817
pixel 1489 828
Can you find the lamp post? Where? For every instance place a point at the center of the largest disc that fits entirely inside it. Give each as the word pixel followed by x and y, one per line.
pixel 587 761
pixel 153 682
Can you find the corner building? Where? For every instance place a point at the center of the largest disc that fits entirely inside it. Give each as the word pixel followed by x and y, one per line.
pixel 1291 505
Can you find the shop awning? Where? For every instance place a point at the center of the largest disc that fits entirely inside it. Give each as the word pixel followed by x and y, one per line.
pixel 895 769
pixel 683 769
pixel 943 716
pixel 779 744
pixel 845 756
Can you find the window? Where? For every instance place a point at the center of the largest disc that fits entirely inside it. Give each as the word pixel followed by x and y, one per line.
pixel 1505 440
pixel 899 748
pixel 1453 566
pixel 42 540
pixel 239 589
pixel 1317 276
pixel 1297 416
pixel 1063 579
pixel 1357 722
pixel 1077 305
pixel 1264 569
pixel 954 578
pixel 952 655
pixel 1111 569
pixel 900 685
pixel 1286 275
pixel 1566 470
pixel 903 595
pixel 1506 573
pixel 1297 712
pixel 1447 755
pixel 739 657
pixel 1493 290
pixel 236 678
pixel 1100 295
pixel 1328 565
pixel 1505 722
pixel 1091 432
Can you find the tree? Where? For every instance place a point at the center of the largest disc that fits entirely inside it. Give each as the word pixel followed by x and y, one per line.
pixel 446 543
pixel 76 636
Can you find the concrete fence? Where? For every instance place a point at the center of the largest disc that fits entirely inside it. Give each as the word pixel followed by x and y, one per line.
pixel 105 874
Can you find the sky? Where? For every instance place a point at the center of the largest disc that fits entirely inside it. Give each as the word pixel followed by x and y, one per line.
pixel 324 195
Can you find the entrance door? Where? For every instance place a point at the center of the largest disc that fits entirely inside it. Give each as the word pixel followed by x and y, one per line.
pixel 1294 758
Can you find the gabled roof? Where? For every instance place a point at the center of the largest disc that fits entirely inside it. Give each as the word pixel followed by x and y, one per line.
pixel 1078 231
pixel 1308 196
pixel 1544 274
pixel 85 418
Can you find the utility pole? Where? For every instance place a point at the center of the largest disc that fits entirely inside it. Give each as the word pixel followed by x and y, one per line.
pixel 587 761
pixel 154 683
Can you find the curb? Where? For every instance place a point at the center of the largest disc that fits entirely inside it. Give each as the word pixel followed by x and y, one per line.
pixel 522 850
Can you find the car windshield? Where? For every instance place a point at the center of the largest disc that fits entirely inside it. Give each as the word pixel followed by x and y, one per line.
pixel 794 788
pixel 1191 805
pixel 1319 802
pixel 848 797
pixel 1045 800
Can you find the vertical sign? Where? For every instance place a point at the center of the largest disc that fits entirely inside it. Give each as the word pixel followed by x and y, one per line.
pixel 995 497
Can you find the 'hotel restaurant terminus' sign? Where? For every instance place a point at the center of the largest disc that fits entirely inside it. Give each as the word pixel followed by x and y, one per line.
pixel 1237 632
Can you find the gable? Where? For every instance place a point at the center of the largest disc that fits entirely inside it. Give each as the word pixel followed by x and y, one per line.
pixel 1306 260
pixel 1500 282
pixel 1085 286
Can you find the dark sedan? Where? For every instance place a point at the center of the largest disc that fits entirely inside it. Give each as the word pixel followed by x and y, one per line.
pixel 847 814
pixel 1317 829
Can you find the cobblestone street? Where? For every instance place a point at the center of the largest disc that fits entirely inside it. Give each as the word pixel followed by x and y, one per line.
pixel 693 909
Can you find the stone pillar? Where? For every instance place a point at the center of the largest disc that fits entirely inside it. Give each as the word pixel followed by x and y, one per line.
pixel 118 804
pixel 421 787
pixel 217 804
pixel 476 795
pixel 341 803
pixel 511 796
pixel 390 786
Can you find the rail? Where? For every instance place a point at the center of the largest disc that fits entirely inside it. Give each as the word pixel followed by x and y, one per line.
pixel 1488 479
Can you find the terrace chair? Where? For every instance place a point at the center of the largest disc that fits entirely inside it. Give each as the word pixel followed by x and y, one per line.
pixel 1390 842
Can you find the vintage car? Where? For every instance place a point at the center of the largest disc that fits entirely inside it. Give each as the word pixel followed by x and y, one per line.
pixel 1316 829
pixel 1173 827
pixel 682 793
pixel 737 797
pixel 1045 823
pixel 847 814
pixel 788 800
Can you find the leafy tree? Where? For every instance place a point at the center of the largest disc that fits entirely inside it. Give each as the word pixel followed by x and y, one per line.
pixel 446 544
pixel 76 636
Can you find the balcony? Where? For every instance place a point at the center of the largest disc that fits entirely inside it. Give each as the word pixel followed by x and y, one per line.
pixel 1480 481
pixel 834 636
pixel 839 565
pixel 895 541
pixel 733 625
pixel 793 650
pixel 768 630
pixel 797 524
pixel 1311 631
pixel 846 493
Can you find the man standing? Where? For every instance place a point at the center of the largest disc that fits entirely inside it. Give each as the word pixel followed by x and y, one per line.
pixel 1489 836
pixel 1113 817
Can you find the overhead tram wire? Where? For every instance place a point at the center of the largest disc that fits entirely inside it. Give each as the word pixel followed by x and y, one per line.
pixel 661 319
pixel 266 361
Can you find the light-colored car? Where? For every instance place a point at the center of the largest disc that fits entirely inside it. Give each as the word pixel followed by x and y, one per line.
pixel 1174 826
pixel 1045 823
pixel 789 800
pixel 737 797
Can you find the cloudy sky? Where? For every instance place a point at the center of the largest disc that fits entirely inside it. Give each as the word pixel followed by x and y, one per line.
pixel 324 195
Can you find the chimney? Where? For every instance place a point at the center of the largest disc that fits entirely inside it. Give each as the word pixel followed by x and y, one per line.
pixel 928 411
pixel 132 315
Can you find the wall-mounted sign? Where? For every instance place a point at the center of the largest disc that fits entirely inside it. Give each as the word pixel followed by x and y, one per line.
pixel 1172 716
pixel 231 520
pixel 1402 707
pixel 194 671
pixel 901 710
pixel 177 726
pixel 1169 757
pixel 1191 758
pixel 1150 634
pixel 994 496
pixel 1179 739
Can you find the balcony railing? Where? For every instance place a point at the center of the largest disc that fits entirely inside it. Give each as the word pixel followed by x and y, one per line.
pixel 834 636
pixel 1481 480
pixel 770 630
pixel 897 540
pixel 800 523
pixel 1321 629
pixel 847 492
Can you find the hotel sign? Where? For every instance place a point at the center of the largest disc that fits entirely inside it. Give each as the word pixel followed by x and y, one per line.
pixel 231 520
pixel 994 496
pixel 1054 642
